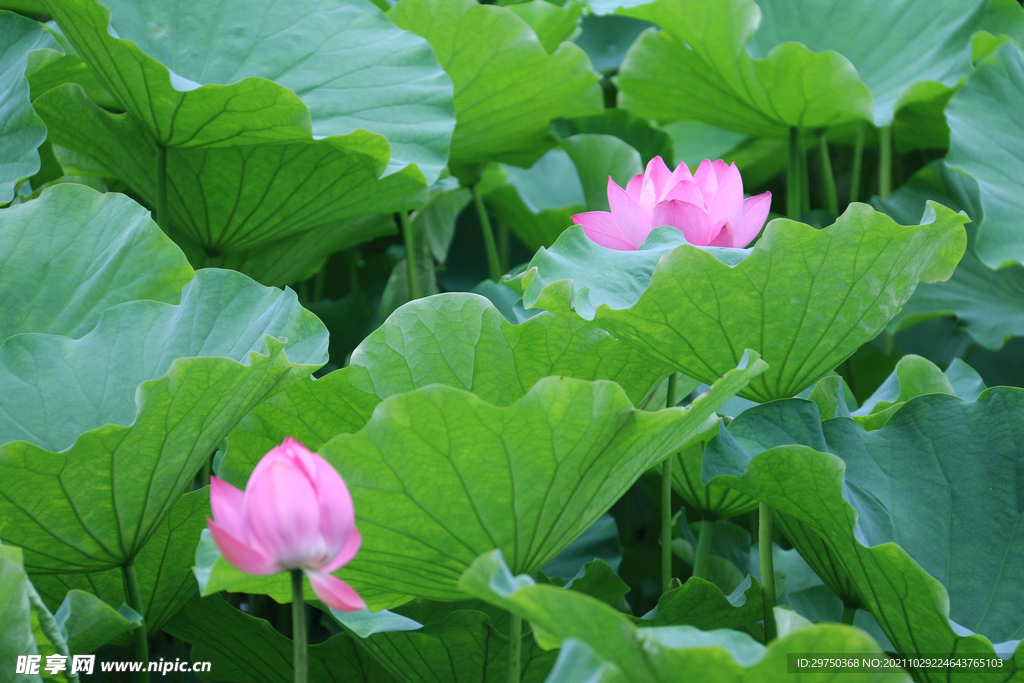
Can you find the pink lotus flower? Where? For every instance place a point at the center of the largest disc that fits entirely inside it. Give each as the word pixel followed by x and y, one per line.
pixel 707 207
pixel 295 513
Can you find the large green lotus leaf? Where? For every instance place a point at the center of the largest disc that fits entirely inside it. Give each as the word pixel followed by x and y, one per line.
pixel 118 422
pixel 763 68
pixel 804 299
pixel 507 87
pixel 528 478
pixel 921 518
pixel 982 117
pixel 21 131
pixel 73 253
pixel 438 474
pixel 163 567
pixel 244 649
pixel 459 340
pixel 915 376
pixel 654 655
pixel 988 303
pixel 286 72
pixel 889 61
pixel 225 200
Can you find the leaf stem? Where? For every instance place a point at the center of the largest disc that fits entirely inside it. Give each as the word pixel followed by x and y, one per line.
pixel 794 194
pixel 666 500
pixel 702 559
pixel 515 644
pixel 179 653
pixel 848 614
pixel 493 262
pixel 764 551
pixel 885 161
pixel 828 180
pixel 318 283
pixel 504 246
pixel 299 629
pixel 805 180
pixel 352 259
pixel 134 595
pixel 410 255
pixel 858 161
pixel 162 219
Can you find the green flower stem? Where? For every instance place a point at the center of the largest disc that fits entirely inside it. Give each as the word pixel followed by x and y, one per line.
pixel 702 559
pixel 794 193
pixel 504 246
pixel 352 259
pixel 848 614
pixel 515 644
pixel 805 180
pixel 299 629
pixel 885 161
pixel 319 280
pixel 666 500
pixel 764 549
pixel 162 219
pixel 858 160
pixel 179 653
pixel 134 594
pixel 410 255
pixel 493 261
pixel 828 180
pixel 204 473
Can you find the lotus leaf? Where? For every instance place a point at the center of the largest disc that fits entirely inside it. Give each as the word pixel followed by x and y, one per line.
pixel 259 144
pixel 988 303
pixel 805 299
pixel 72 432
pixel 981 118
pixel 21 130
pixel 763 68
pixel 507 87
pixel 96 248
pixel 936 557
pixel 605 644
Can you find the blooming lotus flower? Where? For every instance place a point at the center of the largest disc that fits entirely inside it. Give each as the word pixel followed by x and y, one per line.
pixel 295 513
pixel 707 207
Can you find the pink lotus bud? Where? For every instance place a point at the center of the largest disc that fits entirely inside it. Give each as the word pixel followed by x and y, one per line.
pixel 295 513
pixel 707 207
